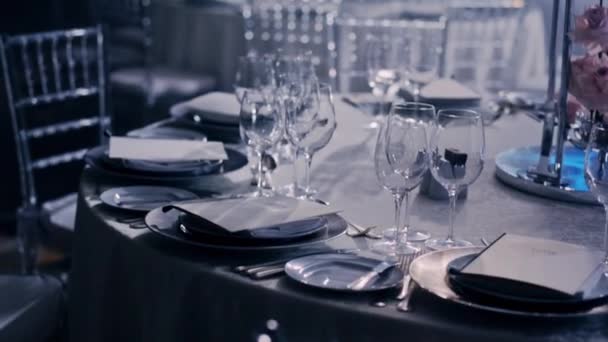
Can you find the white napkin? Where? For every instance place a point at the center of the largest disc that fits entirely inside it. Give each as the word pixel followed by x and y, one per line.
pixel 166 149
pixel 250 213
pixel 447 89
pixel 215 106
pixel 555 265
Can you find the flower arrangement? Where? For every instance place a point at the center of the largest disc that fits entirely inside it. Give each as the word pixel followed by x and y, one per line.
pixel 588 86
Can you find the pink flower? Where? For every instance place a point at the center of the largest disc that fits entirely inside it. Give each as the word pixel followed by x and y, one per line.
pixel 591 28
pixel 589 81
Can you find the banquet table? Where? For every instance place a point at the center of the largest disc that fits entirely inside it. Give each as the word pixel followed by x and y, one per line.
pixel 131 285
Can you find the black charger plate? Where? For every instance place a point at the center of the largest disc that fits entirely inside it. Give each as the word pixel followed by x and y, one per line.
pixel 167 225
pixel 275 234
pixel 98 159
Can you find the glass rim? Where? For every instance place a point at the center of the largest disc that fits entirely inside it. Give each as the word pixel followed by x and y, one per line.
pixel 457 113
pixel 414 104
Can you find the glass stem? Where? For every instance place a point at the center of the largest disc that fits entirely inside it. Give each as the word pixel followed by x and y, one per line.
pixel 308 157
pixel 452 194
pixel 606 236
pixel 260 175
pixel 385 109
pixel 402 233
pixel 295 169
pixel 398 199
pixel 416 91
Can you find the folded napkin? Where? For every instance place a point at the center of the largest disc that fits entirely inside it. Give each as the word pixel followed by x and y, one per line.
pixel 250 213
pixel 166 149
pixel 533 267
pixel 447 89
pixel 215 107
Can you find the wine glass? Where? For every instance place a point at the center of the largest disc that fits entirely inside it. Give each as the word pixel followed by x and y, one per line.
pixel 457 158
pixel 596 174
pixel 406 150
pixel 254 72
pixel 311 126
pixel 425 59
pixel 387 60
pixel 261 125
pixel 295 77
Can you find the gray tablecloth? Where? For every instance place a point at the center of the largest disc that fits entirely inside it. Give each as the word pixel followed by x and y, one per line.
pixel 130 285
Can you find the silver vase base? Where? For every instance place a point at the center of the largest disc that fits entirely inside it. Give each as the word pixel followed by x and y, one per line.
pixel 513 168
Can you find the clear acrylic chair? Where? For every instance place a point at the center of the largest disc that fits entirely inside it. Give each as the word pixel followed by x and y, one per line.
pixel 294 26
pixel 481 42
pixel 56 90
pixel 136 75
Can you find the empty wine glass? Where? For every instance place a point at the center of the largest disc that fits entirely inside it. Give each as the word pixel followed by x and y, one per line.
pixel 261 125
pixel 311 126
pixel 596 173
pixel 457 158
pixel 407 154
pixel 295 79
pixel 254 72
pixel 425 59
pixel 387 60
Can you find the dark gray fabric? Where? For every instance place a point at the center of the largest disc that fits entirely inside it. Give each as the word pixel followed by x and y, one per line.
pixel 130 285
pixel 31 308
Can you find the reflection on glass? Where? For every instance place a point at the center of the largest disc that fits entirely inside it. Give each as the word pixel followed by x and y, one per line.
pixel 596 174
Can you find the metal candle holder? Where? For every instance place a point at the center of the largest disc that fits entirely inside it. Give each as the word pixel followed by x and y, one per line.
pixel 533 169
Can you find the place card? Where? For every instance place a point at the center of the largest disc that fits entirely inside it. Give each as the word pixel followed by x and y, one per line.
pixel 250 213
pixel 216 106
pixel 166 149
pixel 557 266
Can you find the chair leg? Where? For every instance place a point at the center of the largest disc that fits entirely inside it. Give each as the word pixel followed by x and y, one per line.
pixel 28 238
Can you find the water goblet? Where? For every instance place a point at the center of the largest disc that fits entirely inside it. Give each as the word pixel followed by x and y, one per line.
pixel 311 126
pixel 406 150
pixel 261 125
pixel 254 72
pixel 457 159
pixel 425 59
pixel 386 62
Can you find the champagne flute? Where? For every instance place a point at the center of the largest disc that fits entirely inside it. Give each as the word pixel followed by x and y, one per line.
pixel 311 126
pixel 457 159
pixel 407 154
pixel 596 174
pixel 261 125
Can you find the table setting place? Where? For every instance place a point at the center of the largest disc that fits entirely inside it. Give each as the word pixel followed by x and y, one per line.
pixel 284 114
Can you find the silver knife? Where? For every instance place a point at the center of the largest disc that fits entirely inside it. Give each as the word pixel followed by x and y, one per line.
pixel 361 282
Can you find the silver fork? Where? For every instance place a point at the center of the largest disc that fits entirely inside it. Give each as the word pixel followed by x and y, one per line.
pixel 363 231
pixel 406 291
